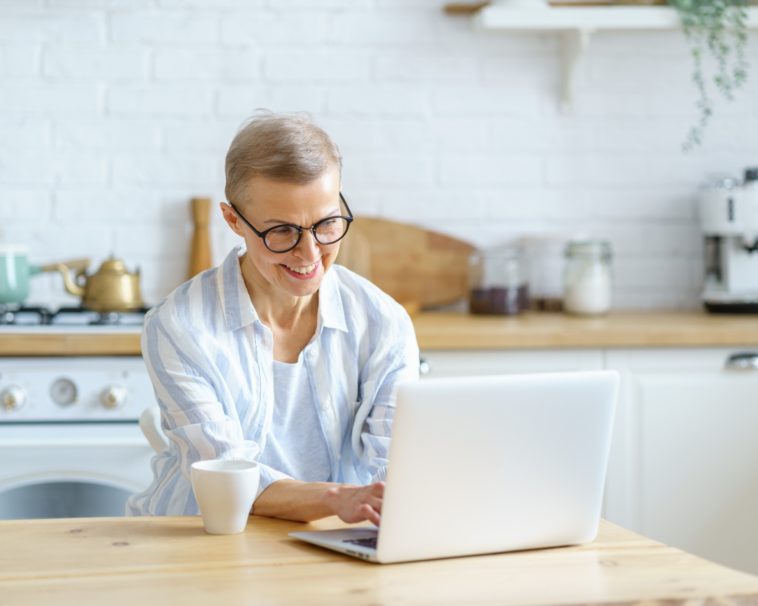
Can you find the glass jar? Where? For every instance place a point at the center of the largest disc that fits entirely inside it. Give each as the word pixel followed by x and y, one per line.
pixel 545 260
pixel 498 282
pixel 588 277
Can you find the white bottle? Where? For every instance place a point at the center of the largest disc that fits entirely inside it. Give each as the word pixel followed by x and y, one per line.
pixel 588 277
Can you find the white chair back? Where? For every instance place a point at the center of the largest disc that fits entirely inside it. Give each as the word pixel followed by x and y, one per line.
pixel 150 424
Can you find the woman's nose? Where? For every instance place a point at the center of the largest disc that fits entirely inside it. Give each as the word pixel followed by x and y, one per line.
pixel 308 247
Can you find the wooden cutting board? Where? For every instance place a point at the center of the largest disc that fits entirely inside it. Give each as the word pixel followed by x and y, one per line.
pixel 418 267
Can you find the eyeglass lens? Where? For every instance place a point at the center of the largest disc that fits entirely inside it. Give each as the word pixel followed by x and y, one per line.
pixel 286 237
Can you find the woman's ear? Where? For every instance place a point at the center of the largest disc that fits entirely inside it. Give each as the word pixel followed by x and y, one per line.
pixel 231 218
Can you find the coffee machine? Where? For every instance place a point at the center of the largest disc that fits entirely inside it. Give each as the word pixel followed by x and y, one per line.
pixel 729 219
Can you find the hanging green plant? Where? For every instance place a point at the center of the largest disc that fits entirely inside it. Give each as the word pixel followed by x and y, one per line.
pixel 715 29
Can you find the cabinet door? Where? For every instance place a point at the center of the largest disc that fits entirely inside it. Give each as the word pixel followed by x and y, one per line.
pixel 478 362
pixel 684 466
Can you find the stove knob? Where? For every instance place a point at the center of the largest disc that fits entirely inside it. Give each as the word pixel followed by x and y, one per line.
pixel 63 391
pixel 13 397
pixel 113 396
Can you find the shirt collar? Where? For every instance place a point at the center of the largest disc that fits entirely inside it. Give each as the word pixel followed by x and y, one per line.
pixel 239 311
pixel 331 311
pixel 235 301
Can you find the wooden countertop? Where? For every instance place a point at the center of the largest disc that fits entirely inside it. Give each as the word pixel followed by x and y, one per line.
pixel 172 561
pixel 460 331
pixel 557 330
pixel 16 342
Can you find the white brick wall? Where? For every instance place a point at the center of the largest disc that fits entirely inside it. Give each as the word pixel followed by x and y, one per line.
pixel 113 114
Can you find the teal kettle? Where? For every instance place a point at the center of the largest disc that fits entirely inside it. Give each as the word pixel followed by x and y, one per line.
pixel 16 271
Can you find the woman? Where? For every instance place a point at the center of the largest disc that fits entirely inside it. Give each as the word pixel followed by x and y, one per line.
pixel 277 353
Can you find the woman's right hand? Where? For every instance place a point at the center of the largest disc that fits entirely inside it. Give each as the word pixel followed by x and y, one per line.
pixel 356 503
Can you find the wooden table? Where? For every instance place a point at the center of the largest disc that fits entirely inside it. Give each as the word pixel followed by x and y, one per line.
pixel 135 561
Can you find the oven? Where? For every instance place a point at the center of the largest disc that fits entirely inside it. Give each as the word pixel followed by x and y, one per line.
pixel 70 443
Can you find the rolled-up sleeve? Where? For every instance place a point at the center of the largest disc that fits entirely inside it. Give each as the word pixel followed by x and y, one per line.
pixel 394 361
pixel 192 413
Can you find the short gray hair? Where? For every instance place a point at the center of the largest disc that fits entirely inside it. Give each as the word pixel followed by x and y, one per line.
pixel 281 147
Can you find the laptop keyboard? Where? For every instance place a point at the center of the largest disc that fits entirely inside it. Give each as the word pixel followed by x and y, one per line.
pixel 369 542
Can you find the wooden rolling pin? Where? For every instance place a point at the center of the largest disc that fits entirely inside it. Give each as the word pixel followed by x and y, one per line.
pixel 200 250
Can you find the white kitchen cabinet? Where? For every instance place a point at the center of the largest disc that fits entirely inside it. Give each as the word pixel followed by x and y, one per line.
pixel 684 467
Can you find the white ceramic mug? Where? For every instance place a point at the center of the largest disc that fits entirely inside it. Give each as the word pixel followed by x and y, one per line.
pixel 225 490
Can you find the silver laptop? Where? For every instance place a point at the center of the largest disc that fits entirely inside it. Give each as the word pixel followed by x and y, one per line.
pixel 490 464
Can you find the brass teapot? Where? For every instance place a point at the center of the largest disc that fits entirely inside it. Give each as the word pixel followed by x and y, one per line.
pixel 111 288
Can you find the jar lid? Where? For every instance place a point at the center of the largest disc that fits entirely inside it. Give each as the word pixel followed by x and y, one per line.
pixel 503 253
pixel 503 250
pixel 588 248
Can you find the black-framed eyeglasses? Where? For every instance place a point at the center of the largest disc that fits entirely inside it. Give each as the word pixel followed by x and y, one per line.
pixel 283 238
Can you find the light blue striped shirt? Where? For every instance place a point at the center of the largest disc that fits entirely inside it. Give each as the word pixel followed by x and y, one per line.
pixel 211 362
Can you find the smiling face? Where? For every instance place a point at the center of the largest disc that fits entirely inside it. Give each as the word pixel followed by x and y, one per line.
pixel 298 272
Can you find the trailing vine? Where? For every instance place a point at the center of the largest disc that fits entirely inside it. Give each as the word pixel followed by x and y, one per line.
pixel 715 29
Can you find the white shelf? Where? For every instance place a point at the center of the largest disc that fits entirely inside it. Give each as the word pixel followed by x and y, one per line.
pixel 577 24
pixel 584 18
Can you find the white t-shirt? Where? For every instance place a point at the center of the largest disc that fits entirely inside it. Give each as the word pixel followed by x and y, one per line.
pixel 296 446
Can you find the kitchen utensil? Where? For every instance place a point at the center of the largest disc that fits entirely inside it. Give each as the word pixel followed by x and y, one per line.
pixel 15 272
pixel 200 249
pixel 111 288
pixel 418 267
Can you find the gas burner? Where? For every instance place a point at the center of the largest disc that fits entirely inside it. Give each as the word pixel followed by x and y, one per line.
pixel 25 315
pixel 7 316
pixel 108 318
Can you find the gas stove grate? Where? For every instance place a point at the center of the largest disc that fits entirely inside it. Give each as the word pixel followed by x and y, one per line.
pixel 28 315
pixel 25 314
